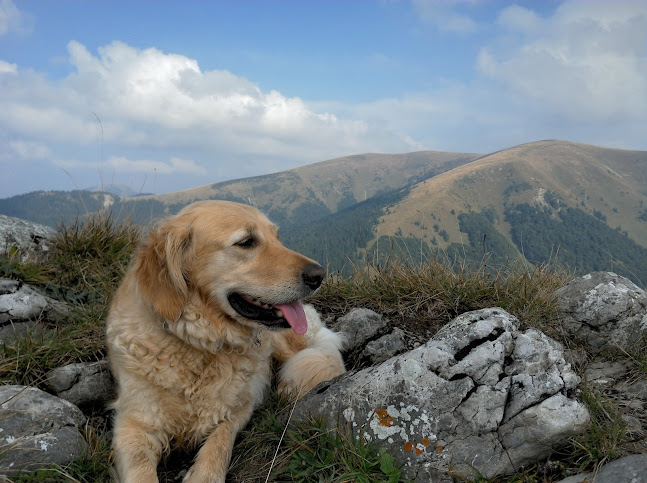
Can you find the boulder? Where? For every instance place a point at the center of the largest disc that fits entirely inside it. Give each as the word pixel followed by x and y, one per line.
pixel 480 396
pixel 25 236
pixel 37 430
pixel 85 384
pixel 360 326
pixel 385 347
pixel 603 310
pixel 22 308
pixel 630 469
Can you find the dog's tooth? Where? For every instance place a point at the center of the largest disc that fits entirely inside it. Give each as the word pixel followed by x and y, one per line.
pixel 279 313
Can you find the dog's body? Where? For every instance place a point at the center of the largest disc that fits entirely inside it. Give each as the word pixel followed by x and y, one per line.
pixel 210 298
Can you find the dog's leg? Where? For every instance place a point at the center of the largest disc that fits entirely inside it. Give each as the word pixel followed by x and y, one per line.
pixel 212 461
pixel 136 451
pixel 305 367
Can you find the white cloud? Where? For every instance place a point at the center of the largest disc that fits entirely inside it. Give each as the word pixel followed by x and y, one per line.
pixel 586 63
pixel 519 19
pixel 29 150
pixel 148 98
pixel 123 165
pixel 7 68
pixel 443 15
pixel 10 18
pixel 578 74
pixel 175 166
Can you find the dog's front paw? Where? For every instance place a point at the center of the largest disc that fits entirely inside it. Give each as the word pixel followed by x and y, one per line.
pixel 195 475
pixel 307 369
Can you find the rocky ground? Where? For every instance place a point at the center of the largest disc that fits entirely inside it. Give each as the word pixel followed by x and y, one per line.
pixel 484 394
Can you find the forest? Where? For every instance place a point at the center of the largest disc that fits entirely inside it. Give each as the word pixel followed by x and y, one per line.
pixel 572 238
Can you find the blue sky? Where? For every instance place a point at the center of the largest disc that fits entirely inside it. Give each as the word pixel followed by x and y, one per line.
pixel 163 96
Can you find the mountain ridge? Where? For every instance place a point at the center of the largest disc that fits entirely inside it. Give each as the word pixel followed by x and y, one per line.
pixel 562 171
pixel 533 201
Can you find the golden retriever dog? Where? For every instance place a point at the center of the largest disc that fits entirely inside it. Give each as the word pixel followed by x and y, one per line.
pixel 210 298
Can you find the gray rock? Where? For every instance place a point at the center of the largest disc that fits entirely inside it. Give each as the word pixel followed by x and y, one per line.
pixel 634 425
pixel 603 310
pixel 479 396
pixel 604 373
pixel 85 384
pixel 26 236
pixel 360 326
pixel 19 301
pixel 22 308
pixel 637 389
pixel 630 469
pixel 377 351
pixel 37 430
pixel 581 478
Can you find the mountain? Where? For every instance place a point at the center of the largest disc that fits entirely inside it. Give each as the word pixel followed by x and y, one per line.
pixel 291 198
pixel 608 183
pixel 51 208
pixel 305 194
pixel 553 201
pixel 120 190
pixel 549 201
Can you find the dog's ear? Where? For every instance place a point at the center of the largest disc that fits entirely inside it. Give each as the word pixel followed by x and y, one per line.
pixel 161 267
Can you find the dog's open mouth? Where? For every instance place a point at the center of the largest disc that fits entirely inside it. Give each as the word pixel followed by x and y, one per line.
pixel 277 316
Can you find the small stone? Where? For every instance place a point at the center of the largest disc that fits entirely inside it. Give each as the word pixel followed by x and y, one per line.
pixel 37 430
pixel 385 347
pixel 604 373
pixel 85 384
pixel 603 310
pixel 26 236
pixel 360 326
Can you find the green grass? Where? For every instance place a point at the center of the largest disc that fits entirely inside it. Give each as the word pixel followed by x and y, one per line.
pixel 421 299
pixel 89 258
pixel 608 437
pixel 83 269
pixel 310 451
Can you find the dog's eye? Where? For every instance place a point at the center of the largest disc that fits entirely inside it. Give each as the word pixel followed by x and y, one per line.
pixel 246 242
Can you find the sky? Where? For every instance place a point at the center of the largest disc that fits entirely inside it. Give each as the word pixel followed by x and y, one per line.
pixel 160 96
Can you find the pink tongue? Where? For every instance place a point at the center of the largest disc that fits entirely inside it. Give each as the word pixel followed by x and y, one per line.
pixel 296 317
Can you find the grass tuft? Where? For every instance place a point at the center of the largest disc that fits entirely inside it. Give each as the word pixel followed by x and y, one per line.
pixel 83 268
pixel 606 438
pixel 422 299
pixel 89 258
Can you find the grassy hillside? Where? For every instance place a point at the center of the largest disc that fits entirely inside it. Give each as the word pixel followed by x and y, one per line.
pixel 595 198
pixel 51 208
pixel 290 198
pixel 302 195
pixel 573 204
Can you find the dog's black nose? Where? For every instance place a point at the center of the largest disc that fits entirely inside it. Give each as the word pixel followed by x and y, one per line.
pixel 313 275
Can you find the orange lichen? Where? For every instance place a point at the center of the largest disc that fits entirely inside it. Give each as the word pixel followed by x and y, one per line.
pixel 384 419
pixel 420 451
pixel 425 441
pixel 439 449
pixel 408 446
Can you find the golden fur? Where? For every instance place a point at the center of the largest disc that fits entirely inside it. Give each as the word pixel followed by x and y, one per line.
pixel 190 368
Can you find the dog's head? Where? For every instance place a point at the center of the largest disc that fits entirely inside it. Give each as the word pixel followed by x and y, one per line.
pixel 230 254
